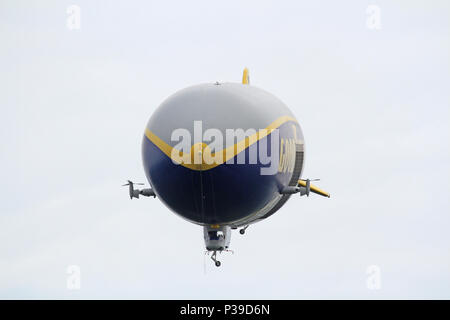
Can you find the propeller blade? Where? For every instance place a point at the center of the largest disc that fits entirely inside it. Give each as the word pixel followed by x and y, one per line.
pixel 134 183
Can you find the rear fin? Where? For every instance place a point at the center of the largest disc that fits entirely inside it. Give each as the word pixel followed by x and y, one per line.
pixel 246 77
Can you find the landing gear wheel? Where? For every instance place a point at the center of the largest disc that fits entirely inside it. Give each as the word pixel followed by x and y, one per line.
pixel 213 258
pixel 242 231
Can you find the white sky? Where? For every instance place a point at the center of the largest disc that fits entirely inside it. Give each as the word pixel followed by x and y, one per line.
pixel 373 105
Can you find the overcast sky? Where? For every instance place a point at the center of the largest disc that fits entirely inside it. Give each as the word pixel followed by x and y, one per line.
pixel 373 105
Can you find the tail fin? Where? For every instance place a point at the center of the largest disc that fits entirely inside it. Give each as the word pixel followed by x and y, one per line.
pixel 246 77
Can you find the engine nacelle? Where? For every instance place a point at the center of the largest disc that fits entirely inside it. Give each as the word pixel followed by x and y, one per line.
pixel 290 190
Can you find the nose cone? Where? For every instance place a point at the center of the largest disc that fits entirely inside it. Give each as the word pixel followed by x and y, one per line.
pixel 202 179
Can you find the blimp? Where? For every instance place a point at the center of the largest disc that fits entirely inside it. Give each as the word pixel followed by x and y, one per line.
pixel 224 156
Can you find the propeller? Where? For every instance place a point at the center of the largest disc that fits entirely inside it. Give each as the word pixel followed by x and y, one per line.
pixel 132 183
pixel 308 185
pixel 131 189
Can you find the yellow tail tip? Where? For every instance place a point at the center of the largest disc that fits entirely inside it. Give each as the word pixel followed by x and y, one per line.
pixel 246 77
